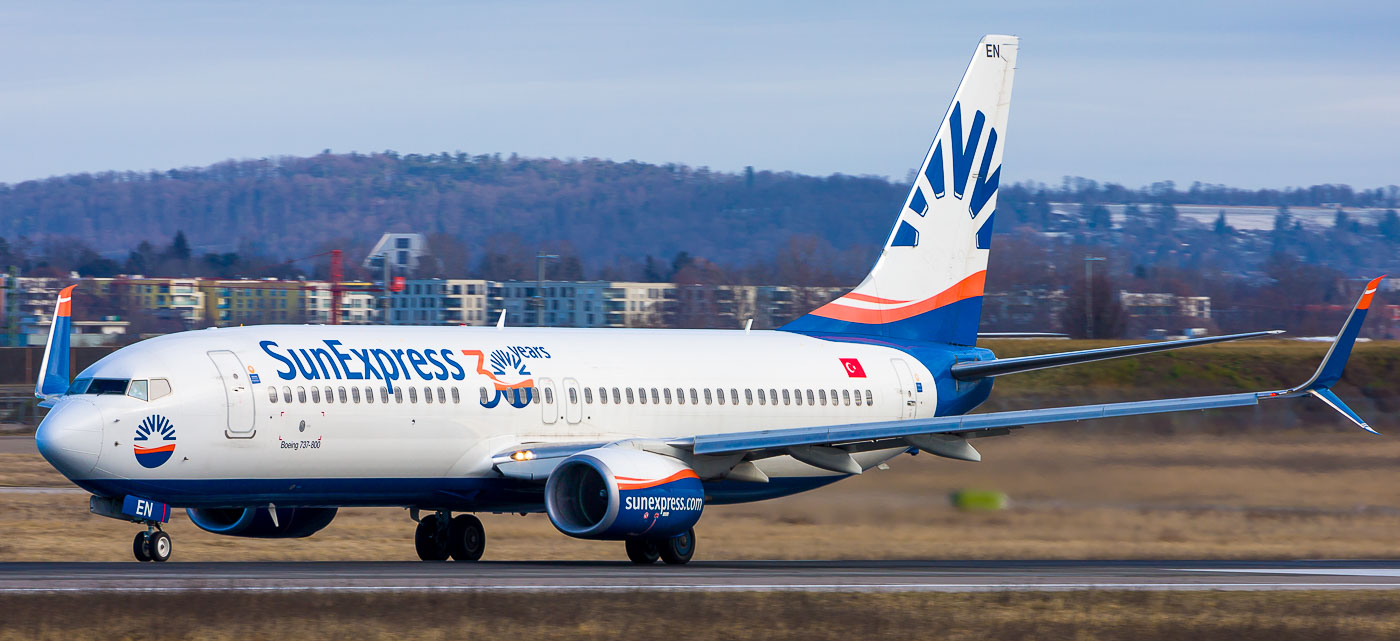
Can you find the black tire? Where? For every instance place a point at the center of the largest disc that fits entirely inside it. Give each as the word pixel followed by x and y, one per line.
pixel 642 551
pixel 468 538
pixel 160 546
pixel 430 546
pixel 677 550
pixel 139 549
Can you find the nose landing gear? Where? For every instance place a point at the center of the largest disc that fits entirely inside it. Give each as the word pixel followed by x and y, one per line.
pixel 152 545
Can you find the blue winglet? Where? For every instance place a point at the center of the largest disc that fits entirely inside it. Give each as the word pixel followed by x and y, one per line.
pixel 1335 362
pixel 53 372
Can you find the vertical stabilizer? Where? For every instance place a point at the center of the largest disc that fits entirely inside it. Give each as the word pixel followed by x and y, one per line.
pixel 927 284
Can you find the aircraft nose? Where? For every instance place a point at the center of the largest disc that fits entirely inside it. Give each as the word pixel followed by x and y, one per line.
pixel 70 437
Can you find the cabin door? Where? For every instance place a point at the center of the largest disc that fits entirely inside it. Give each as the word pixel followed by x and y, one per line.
pixel 549 404
pixel 907 405
pixel 238 391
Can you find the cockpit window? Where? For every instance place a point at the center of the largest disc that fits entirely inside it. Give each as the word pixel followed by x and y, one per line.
pixel 138 389
pixel 107 386
pixel 80 386
pixel 159 387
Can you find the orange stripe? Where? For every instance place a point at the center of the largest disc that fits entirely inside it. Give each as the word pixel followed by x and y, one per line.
pixel 969 287
pixel 1371 288
pixel 65 301
pixel 683 474
pixel 148 450
pixel 866 298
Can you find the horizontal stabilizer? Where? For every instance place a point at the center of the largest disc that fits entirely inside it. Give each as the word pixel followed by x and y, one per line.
pixel 1003 366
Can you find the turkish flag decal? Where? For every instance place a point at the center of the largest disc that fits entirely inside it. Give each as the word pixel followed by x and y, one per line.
pixel 853 368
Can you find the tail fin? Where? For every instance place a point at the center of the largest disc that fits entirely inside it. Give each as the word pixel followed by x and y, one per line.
pixel 927 284
pixel 53 372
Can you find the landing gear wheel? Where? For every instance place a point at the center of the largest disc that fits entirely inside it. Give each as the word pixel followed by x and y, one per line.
pixel 138 547
pixel 159 546
pixel 430 545
pixel 468 538
pixel 677 550
pixel 642 551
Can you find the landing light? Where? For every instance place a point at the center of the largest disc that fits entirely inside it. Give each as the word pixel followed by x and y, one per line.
pixel 523 455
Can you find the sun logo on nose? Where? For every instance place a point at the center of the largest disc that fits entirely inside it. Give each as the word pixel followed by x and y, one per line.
pixel 155 441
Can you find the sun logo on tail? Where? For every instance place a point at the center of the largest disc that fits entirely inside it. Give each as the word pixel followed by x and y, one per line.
pixel 155 441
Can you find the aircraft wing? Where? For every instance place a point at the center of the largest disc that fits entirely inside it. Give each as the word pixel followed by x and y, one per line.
pixel 830 446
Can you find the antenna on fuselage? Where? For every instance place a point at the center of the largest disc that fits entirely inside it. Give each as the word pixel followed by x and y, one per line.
pixel 501 322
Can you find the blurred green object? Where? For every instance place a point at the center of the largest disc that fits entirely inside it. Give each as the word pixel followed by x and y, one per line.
pixel 977 500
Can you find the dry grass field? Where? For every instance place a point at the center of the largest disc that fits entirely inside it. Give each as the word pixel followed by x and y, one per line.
pixel 1075 493
pixel 1010 616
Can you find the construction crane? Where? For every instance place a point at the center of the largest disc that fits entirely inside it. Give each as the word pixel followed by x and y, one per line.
pixel 337 280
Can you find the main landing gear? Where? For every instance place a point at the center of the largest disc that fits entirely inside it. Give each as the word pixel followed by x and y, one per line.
pixel 152 545
pixel 441 535
pixel 676 550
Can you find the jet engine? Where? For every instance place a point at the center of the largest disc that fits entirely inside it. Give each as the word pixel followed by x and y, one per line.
pixel 257 522
pixel 615 494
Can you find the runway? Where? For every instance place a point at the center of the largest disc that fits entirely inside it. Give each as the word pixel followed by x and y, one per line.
pixel 710 576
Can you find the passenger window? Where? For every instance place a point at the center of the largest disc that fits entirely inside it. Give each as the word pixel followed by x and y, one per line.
pixel 667 390
pixel 835 400
pixel 330 395
pixel 797 396
pixel 161 387
pixel 762 399
pixel 369 395
pixel 588 395
pixel 573 396
pixel 787 399
pixel 272 394
pixel 869 400
pixel 427 395
pixel 287 394
pixel 642 392
pixel 315 395
pixel 720 393
pixel 383 394
pixel 355 394
pixel 773 394
pixel 733 396
pixel 344 398
pixel 821 395
pixel 398 395
pixel 442 396
pixel 748 396
pixel 857 398
pixel 811 398
pixel 617 396
pixel 709 399
pixel 456 396
pixel 694 398
pixel 630 398
pixel 655 396
pixel 549 395
pixel 484 400
pixel 137 389
pixel 680 396
pixel 846 396
pixel 301 394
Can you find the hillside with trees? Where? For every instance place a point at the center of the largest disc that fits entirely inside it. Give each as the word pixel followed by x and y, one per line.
pixel 487 215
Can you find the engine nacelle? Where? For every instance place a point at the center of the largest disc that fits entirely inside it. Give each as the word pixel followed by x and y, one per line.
pixel 256 522
pixel 613 493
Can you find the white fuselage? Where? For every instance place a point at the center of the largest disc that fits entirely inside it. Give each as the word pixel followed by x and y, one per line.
pixel 248 427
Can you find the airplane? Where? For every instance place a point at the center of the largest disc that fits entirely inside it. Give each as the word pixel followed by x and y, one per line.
pixel 615 434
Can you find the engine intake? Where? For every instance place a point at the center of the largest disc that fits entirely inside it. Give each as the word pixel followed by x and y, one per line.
pixel 615 494
pixel 256 522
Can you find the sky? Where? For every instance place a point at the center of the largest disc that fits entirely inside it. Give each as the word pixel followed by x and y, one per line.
pixel 1268 94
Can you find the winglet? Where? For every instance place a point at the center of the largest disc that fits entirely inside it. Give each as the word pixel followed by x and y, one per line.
pixel 53 372
pixel 1330 371
pixel 1335 362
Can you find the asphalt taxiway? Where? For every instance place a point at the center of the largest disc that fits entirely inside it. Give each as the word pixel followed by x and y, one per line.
pixel 705 576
